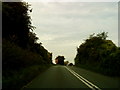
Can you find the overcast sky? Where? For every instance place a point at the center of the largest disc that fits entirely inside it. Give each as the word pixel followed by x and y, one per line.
pixel 63 26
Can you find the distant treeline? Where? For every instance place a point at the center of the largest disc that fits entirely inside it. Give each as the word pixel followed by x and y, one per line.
pixel 99 54
pixel 22 57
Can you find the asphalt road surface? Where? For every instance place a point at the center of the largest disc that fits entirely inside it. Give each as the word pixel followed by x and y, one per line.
pixel 73 77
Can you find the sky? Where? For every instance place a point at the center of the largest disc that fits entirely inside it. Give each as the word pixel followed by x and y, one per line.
pixel 63 26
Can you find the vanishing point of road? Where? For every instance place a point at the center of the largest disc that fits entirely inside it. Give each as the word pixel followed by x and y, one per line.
pixel 73 77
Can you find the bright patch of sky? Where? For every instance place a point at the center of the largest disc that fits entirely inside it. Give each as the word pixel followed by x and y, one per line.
pixel 63 26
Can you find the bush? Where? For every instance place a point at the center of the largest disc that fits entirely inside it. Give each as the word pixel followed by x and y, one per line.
pixel 15 58
pixel 20 66
pixel 20 78
pixel 100 55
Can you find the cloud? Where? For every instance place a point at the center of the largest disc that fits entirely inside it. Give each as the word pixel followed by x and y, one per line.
pixel 46 1
pixel 62 26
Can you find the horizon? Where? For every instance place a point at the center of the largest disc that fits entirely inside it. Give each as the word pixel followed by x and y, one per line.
pixel 63 26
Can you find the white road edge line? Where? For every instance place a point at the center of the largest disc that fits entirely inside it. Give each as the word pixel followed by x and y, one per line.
pixel 81 79
pixel 85 81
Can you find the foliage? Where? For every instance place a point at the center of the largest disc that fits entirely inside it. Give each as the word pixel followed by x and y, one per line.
pixel 19 45
pixel 16 22
pixel 70 64
pixel 20 78
pixel 15 60
pixel 60 60
pixel 98 52
pixel 66 62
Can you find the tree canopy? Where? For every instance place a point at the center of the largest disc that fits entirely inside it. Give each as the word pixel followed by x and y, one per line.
pixel 20 49
pixel 60 60
pixel 19 41
pixel 17 27
pixel 16 22
pixel 99 52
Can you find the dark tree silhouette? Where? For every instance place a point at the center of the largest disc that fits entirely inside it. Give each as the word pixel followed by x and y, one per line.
pixel 16 22
pixel 20 50
pixel 70 64
pixel 60 60
pixel 66 62
pixel 98 52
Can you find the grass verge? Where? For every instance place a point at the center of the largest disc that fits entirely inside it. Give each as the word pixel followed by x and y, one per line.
pixel 20 78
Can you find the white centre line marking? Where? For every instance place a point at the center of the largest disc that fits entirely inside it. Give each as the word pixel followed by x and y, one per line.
pixel 85 81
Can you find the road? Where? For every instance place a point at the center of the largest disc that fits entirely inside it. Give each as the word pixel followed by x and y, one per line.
pixel 72 77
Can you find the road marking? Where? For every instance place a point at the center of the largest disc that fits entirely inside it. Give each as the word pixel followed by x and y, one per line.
pixel 85 81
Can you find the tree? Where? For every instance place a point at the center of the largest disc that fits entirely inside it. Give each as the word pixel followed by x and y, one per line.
pixel 16 22
pixel 60 60
pixel 70 64
pixel 102 35
pixel 96 51
pixel 66 62
pixel 17 28
pixel 21 52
